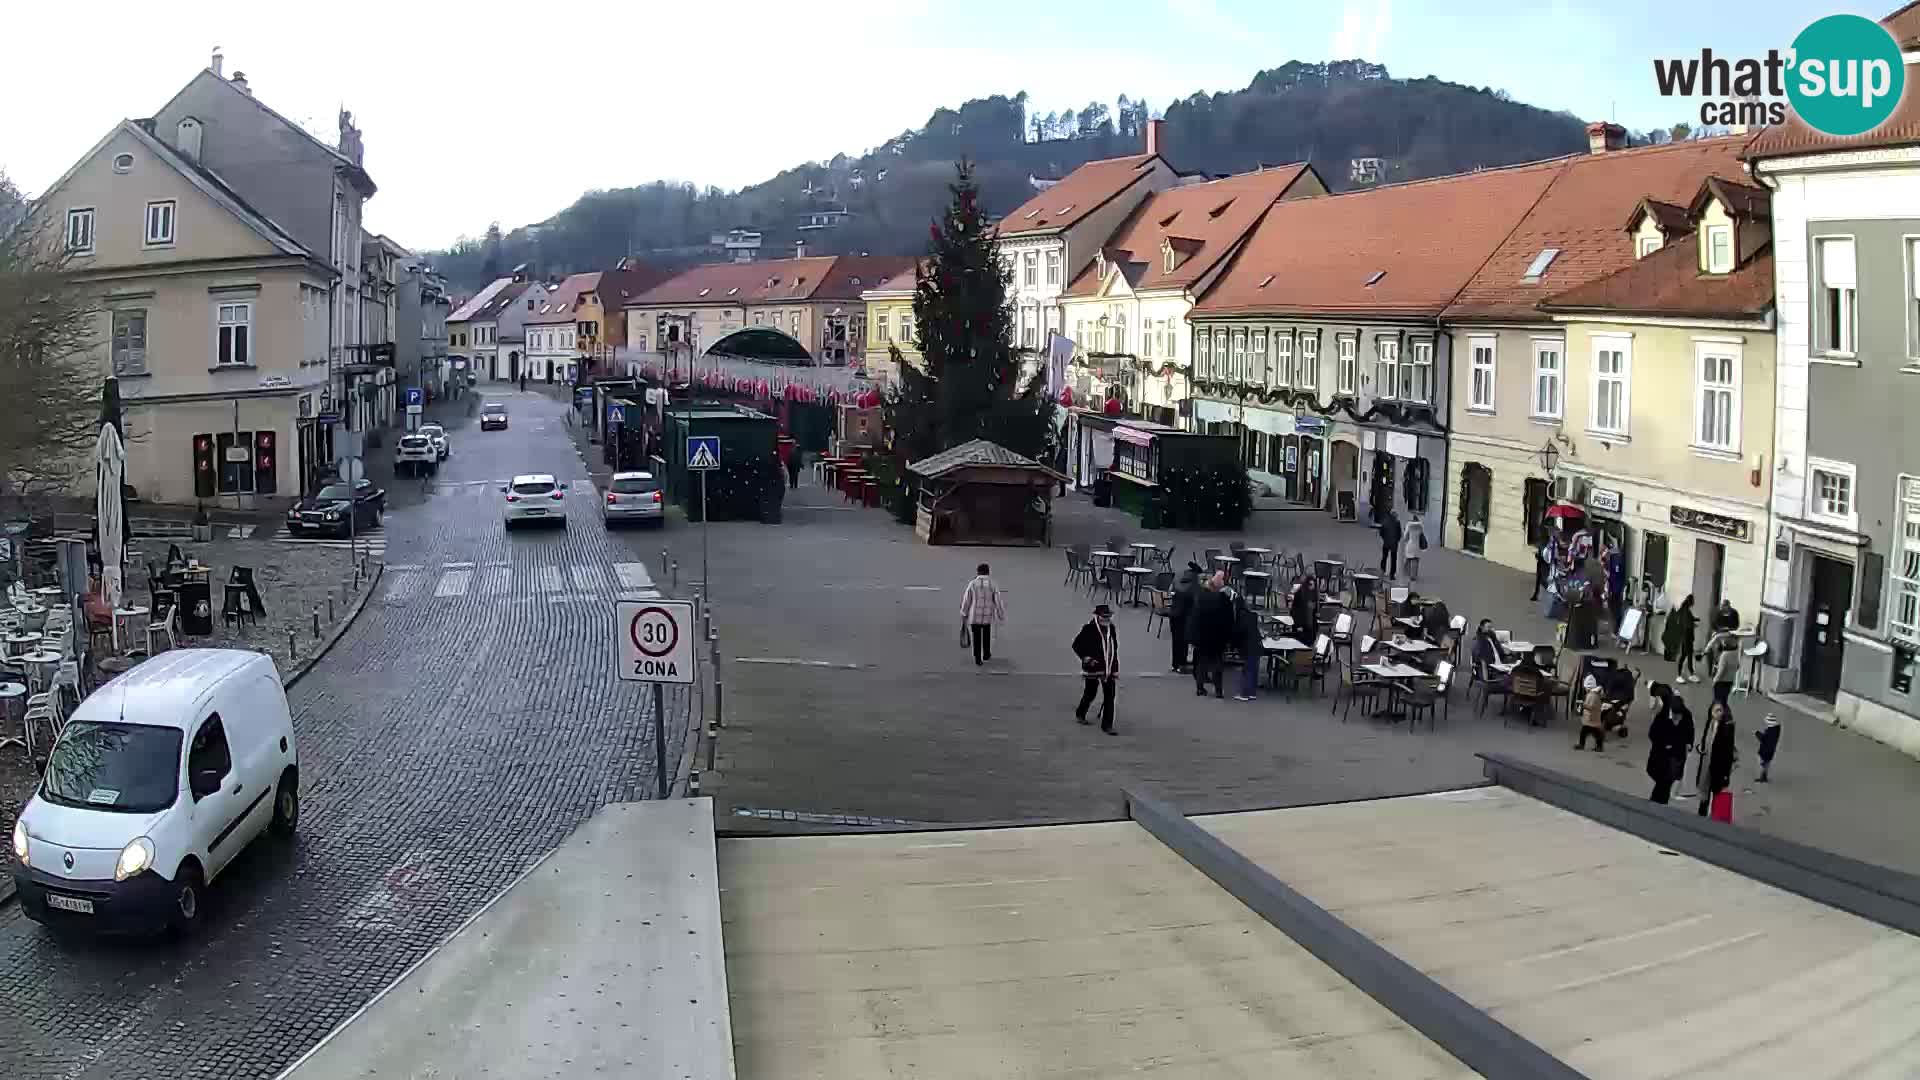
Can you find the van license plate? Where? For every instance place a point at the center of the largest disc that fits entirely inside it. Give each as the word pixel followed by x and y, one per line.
pixel 70 903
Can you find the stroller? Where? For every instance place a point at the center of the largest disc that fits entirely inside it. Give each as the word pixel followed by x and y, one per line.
pixel 1619 687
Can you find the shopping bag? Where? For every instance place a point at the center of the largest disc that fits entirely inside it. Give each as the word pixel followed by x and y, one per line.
pixel 1722 808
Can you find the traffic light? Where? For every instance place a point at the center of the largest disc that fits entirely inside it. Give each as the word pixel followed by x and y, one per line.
pixel 205 480
pixel 266 473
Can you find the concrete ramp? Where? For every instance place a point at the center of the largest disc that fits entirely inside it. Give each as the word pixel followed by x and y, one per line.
pixel 604 960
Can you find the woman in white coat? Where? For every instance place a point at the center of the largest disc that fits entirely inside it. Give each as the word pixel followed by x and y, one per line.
pixel 980 607
pixel 1413 544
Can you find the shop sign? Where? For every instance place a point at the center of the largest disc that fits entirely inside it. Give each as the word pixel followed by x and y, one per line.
pixel 1605 500
pixel 1402 445
pixel 1706 521
pixel 1310 425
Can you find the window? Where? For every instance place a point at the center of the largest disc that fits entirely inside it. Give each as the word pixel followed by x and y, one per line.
pixel 1224 370
pixel 1387 378
pixel 1837 283
pixel 1480 352
pixel 1830 492
pixel 130 342
pixel 793 320
pixel 236 333
pixel 1239 356
pixel 1026 326
pixel 1913 297
pixel 1282 358
pixel 235 462
pixel 209 753
pixel 80 231
pixel 1203 360
pixel 1349 374
pixel 1905 623
pixel 1538 267
pixel 882 326
pixel 1033 268
pixel 1716 397
pixel 1308 376
pixel 1612 369
pixel 1053 267
pixel 1549 396
pixel 1257 354
pixel 1646 246
pixel 1719 249
pixel 906 328
pixel 160 223
pixel 123 163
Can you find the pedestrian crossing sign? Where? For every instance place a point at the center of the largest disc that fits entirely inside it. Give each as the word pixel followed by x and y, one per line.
pixel 703 451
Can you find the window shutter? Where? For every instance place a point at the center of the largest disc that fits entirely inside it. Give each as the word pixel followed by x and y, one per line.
pixel 1873 569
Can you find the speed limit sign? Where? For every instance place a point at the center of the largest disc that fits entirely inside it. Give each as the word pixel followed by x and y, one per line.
pixel 655 641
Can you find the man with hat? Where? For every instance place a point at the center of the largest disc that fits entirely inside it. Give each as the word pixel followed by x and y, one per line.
pixel 1098 648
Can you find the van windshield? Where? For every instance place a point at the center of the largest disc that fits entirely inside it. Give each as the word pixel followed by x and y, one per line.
pixel 133 768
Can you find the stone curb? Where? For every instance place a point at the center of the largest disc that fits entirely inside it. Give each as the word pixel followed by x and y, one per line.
pixel 346 623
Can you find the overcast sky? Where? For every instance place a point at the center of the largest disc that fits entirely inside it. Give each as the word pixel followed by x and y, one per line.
pixel 480 112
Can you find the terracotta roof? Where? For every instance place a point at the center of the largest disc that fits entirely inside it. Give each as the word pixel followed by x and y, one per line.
pixel 558 306
pixel 1078 194
pixel 822 277
pixel 1669 282
pixel 501 300
pixel 1902 128
pixel 1670 218
pixel 471 307
pixel 1429 236
pixel 1202 222
pixel 1904 25
pixel 628 279
pixel 973 454
pixel 902 282
pixel 1580 215
pixel 1741 200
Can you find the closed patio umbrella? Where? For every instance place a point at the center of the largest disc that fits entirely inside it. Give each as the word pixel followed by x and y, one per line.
pixel 110 469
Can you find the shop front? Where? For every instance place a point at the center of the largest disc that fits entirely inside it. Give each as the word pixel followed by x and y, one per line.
pixel 1399 473
pixel 1146 455
pixel 1090 447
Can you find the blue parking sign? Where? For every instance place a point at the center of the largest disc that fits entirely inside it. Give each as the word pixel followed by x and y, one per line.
pixel 414 396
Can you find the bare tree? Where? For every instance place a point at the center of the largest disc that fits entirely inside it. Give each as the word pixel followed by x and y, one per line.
pixel 49 383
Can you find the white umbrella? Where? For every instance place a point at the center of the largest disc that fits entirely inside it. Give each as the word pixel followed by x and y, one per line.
pixel 110 467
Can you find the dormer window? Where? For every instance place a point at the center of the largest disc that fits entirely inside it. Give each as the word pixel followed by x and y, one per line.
pixel 704 292
pixel 735 291
pixel 1538 267
pixel 1646 246
pixel 1719 249
pixel 1166 258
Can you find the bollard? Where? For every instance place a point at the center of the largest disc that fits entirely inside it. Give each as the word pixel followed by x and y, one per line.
pixel 663 560
pixel 693 784
pixel 316 622
pixel 292 648
pixel 675 572
pixel 330 616
pixel 713 740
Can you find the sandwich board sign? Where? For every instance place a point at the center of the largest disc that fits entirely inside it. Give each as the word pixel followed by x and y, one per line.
pixel 655 640
pixel 703 451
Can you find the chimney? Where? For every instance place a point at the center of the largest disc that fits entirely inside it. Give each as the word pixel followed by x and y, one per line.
pixel 1154 129
pixel 1603 136
pixel 218 67
pixel 239 82
pixel 186 138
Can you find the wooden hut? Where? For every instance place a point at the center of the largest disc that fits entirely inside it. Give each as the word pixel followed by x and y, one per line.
pixel 983 493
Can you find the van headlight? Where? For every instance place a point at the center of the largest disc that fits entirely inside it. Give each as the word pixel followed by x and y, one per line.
pixel 20 841
pixel 136 857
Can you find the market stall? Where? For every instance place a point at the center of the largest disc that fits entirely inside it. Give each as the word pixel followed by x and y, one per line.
pixel 982 493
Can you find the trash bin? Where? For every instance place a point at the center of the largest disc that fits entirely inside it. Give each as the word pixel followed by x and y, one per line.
pixel 1103 492
pixel 196 607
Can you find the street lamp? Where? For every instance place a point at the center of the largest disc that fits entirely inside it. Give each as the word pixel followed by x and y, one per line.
pixel 1549 457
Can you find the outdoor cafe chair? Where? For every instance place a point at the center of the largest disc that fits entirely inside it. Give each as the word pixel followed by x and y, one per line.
pixel 1159 606
pixel 1076 569
pixel 165 615
pixel 1528 689
pixel 1164 559
pixel 1425 696
pixel 1457 628
pixel 1256 589
pixel 1342 632
pixel 1356 683
pixel 1163 581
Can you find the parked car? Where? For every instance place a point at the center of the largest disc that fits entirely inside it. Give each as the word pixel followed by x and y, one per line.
pixel 493 415
pixel 438 436
pixel 535 497
pixel 414 453
pixel 338 510
pixel 633 496
pixel 160 778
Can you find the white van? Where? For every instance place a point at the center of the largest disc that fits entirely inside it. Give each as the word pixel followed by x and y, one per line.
pixel 160 778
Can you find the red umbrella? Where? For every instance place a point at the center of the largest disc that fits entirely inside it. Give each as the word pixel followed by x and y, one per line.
pixel 1565 510
pixel 1066 395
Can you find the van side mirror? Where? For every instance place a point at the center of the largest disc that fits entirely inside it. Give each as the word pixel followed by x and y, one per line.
pixel 204 782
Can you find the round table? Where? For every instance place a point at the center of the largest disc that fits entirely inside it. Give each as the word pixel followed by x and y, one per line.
pixel 129 621
pixel 13 713
pixel 1137 574
pixel 32 616
pixel 1105 555
pixel 22 641
pixel 41 666
pixel 51 595
pixel 1141 548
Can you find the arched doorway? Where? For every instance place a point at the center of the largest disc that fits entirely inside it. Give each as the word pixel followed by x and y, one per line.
pixel 513 365
pixel 1345 478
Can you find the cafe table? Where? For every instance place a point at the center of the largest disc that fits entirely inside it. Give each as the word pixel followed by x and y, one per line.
pixel 32 616
pixel 50 595
pixel 41 664
pixel 1138 575
pixel 1227 563
pixel 1393 672
pixel 1106 557
pixel 130 622
pixel 1281 646
pixel 1408 647
pixel 22 641
pixel 1517 647
pixel 1144 551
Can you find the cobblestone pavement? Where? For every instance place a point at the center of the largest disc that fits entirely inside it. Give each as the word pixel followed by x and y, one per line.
pixel 847 692
pixel 461 728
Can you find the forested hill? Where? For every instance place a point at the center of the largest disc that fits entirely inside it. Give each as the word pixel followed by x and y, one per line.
pixel 1330 114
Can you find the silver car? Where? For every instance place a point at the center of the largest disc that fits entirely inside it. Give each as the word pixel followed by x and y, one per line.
pixel 438 436
pixel 634 496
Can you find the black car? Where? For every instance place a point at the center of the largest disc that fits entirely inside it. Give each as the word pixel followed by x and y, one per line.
pixel 326 512
pixel 493 415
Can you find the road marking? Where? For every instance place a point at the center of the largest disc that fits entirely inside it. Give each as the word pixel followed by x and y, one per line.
pixel 550 581
pixel 453 583
pixel 922 588
pixel 788 661
pixel 588 578
pixel 457 565
pixel 240 532
pixel 640 594
pixel 398 567
pixel 499 579
pixel 633 575
pixel 403 586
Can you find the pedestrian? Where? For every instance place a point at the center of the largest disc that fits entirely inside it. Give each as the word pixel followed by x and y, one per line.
pixel 1209 627
pixel 1413 544
pixel 1179 610
pixel 1542 560
pixel 1669 736
pixel 1769 738
pixel 981 605
pixel 1305 609
pixel 1723 660
pixel 1677 638
pixel 523 382
pixel 1390 534
pixel 790 458
pixel 1592 716
pixel 1614 564
pixel 1720 753
pixel 1246 625
pixel 1098 647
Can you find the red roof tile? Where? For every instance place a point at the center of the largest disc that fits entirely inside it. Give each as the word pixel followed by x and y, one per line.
pixel 1904 25
pixel 1580 216
pixel 628 279
pixel 1202 222
pixel 1078 194
pixel 822 277
pixel 1669 282
pixel 557 307
pixel 1900 129
pixel 1429 236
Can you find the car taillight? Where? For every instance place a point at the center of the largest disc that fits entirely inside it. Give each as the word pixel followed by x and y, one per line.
pixel 656 496
pixel 611 499
pixel 556 493
pixel 511 497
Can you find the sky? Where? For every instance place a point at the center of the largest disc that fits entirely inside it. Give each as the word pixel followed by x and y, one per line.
pixel 494 112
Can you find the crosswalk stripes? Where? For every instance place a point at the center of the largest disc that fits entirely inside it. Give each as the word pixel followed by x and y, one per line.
pixel 633 575
pixel 577 582
pixel 374 542
pixel 588 578
pixel 549 580
pixel 453 583
pixel 402 586
pixel 499 579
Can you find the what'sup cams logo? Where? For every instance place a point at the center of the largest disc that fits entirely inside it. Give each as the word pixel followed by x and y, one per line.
pixel 1843 76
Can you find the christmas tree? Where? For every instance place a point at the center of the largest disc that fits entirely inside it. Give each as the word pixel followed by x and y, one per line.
pixel 969 386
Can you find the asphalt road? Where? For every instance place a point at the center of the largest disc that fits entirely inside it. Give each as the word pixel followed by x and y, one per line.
pixel 462 728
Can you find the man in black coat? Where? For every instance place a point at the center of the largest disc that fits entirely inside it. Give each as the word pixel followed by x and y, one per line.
pixel 1180 610
pixel 1390 534
pixel 1098 647
pixel 1669 738
pixel 1209 629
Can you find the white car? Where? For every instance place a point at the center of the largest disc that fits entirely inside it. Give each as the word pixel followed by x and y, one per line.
pixel 437 435
pixel 416 453
pixel 634 496
pixel 160 778
pixel 535 497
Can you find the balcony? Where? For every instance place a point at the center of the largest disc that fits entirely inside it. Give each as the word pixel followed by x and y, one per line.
pixel 362 359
